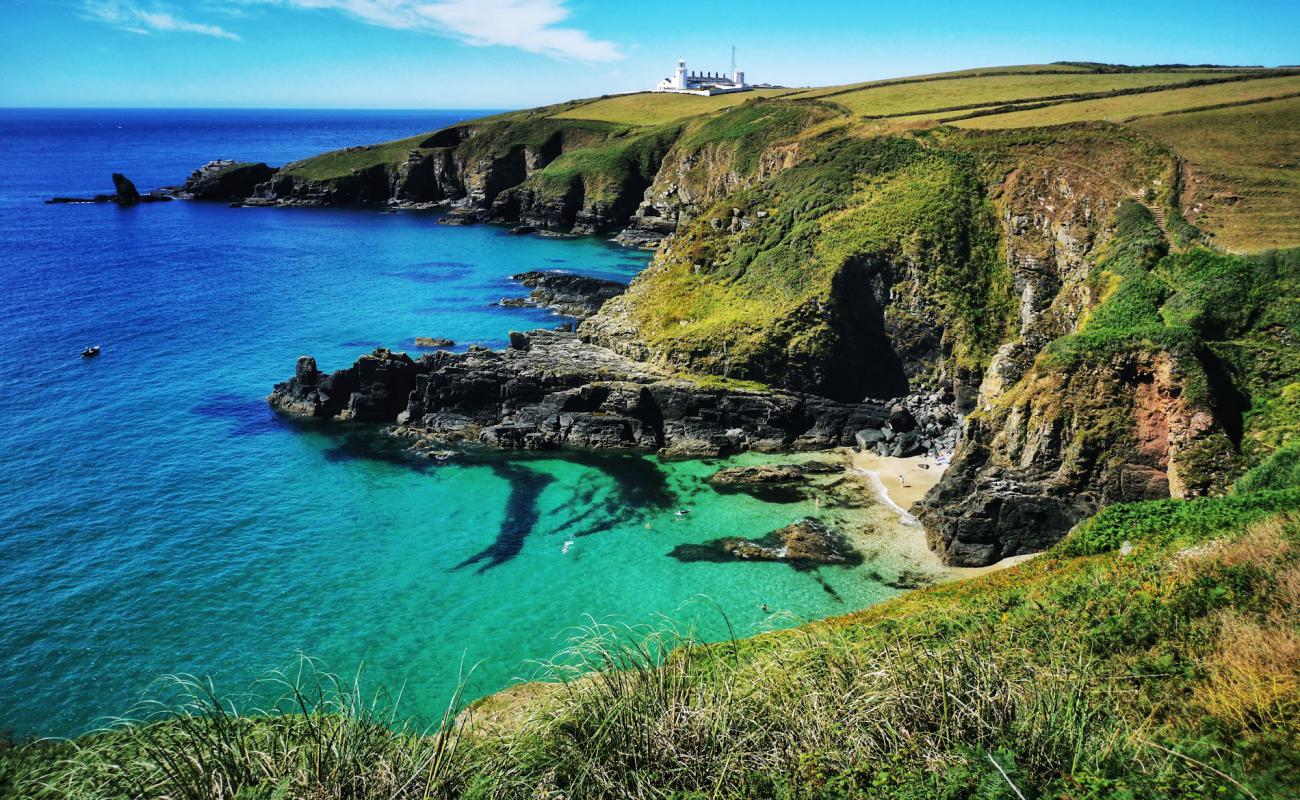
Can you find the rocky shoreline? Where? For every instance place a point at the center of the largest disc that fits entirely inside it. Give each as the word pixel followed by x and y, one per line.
pixel 552 390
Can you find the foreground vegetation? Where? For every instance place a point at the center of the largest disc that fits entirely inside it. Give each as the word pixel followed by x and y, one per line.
pixel 1152 654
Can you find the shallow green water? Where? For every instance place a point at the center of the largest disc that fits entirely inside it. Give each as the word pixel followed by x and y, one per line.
pixel 156 517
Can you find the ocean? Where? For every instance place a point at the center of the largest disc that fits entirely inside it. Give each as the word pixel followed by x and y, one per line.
pixel 157 518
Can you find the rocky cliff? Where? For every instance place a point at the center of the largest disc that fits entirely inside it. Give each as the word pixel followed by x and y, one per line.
pixel 888 289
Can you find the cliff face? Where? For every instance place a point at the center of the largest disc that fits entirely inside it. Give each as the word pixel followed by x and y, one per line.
pixel 1146 395
pixel 1014 283
pixel 567 175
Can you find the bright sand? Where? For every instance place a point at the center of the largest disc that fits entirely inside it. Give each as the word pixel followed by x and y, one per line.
pixel 900 483
pixel 918 474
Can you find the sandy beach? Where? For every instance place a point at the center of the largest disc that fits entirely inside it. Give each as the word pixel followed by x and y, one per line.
pixel 917 474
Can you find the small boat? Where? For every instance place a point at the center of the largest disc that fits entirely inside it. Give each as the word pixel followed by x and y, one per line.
pixel 90 352
pixel 683 512
pixel 566 547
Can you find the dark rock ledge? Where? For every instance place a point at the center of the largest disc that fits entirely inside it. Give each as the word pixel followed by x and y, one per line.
pixel 124 194
pixel 565 293
pixel 805 545
pixel 552 390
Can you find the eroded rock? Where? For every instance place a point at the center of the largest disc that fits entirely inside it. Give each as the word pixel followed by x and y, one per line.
pixel 806 544
pixel 551 390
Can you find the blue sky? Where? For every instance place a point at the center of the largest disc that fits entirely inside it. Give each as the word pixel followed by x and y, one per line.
pixel 516 53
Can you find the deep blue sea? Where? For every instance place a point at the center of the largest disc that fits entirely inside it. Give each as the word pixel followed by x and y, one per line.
pixel 156 517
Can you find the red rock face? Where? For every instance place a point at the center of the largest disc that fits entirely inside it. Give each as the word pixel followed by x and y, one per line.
pixel 1151 415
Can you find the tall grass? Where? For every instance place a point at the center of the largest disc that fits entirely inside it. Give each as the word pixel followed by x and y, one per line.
pixel 667 716
pixel 321 738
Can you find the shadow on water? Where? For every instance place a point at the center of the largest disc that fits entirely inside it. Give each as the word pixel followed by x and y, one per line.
pixel 364 344
pixel 522 513
pixel 245 416
pixel 635 483
pixel 372 446
pixel 638 484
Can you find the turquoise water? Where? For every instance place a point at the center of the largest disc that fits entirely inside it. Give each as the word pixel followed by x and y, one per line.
pixel 155 517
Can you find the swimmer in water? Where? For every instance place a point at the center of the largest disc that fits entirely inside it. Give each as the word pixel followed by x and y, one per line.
pixel 764 607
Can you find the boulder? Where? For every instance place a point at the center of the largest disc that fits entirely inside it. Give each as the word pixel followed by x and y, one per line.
pixel 901 420
pixel 867 438
pixel 806 544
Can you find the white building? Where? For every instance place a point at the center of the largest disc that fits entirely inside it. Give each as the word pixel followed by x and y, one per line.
pixel 706 83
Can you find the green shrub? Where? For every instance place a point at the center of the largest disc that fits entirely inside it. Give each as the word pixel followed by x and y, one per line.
pixel 1164 521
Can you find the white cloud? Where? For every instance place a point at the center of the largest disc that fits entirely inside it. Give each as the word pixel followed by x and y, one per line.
pixel 130 16
pixel 530 25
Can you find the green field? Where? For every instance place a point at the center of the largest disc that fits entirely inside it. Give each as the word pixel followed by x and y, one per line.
pixel 655 108
pixel 1015 69
pixel 1247 163
pixel 908 98
pixel 1127 107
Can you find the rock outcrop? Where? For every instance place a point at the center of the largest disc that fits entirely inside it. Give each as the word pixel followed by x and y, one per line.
pixel 566 293
pixel 551 390
pixel 226 180
pixel 806 544
pixel 1063 445
pixel 124 194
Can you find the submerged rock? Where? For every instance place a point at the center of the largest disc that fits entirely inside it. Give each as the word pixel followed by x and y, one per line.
pixel 806 544
pixel 761 474
pixel 433 341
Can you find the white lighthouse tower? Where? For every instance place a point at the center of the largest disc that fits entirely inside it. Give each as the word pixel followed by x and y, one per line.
pixel 679 77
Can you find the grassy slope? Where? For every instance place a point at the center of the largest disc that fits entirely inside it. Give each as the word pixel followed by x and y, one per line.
pixel 1246 161
pixel 851 202
pixel 650 108
pixel 339 163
